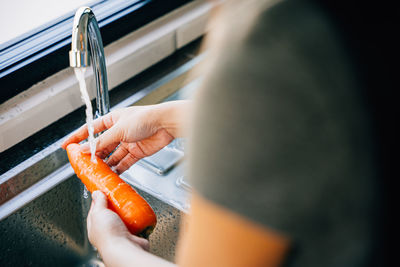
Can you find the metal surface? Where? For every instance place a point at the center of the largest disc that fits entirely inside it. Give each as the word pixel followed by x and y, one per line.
pixel 48 162
pixel 85 34
pixel 45 224
pixel 50 231
pixel 164 160
pixel 43 206
pixel 30 172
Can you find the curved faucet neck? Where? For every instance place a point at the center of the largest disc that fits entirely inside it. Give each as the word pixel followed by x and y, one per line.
pixel 85 34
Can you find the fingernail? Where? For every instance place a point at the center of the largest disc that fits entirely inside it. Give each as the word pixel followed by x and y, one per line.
pixel 95 196
pixel 85 148
pixel 113 168
pixel 63 145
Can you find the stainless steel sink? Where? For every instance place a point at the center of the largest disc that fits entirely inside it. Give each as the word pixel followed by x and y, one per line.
pixel 51 230
pixel 43 205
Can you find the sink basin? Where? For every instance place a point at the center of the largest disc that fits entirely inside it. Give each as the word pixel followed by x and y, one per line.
pixel 43 205
pixel 51 230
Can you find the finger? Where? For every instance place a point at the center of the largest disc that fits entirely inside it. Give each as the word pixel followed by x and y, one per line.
pixel 125 163
pixel 99 201
pixel 89 217
pixel 100 124
pixel 85 148
pixel 123 150
pixel 91 213
pixel 76 137
pixel 104 154
pixel 143 243
pixel 106 142
pixel 118 155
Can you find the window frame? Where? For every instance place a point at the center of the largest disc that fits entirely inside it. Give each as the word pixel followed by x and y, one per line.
pixel 32 57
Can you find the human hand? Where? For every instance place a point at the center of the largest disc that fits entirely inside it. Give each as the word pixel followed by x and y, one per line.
pixel 105 227
pixel 116 245
pixel 138 131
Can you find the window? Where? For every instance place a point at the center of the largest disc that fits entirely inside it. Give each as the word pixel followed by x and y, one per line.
pixel 35 48
pixel 32 16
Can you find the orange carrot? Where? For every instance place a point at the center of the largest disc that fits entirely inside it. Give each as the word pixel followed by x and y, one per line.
pixel 134 211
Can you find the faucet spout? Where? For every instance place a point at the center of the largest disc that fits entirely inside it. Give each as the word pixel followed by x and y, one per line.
pixel 85 35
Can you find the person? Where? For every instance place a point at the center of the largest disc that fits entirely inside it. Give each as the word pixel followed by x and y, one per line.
pixel 282 147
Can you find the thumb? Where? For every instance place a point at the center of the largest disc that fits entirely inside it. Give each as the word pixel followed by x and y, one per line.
pixel 106 142
pixel 99 200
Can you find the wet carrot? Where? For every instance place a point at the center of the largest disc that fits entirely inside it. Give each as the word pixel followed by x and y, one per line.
pixel 134 211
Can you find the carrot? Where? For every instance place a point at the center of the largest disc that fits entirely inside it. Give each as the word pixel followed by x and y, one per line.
pixel 134 211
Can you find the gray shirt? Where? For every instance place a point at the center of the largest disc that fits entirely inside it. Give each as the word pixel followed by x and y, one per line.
pixel 281 133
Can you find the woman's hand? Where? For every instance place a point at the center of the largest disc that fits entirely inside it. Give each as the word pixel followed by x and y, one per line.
pixel 138 131
pixel 116 245
pixel 105 226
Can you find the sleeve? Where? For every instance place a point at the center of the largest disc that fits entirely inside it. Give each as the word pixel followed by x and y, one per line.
pixel 279 134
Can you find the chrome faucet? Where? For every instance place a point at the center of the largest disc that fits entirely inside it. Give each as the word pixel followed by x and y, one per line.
pixel 86 31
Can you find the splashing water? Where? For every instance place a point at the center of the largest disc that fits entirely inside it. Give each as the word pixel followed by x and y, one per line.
pixel 80 75
pixel 85 192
